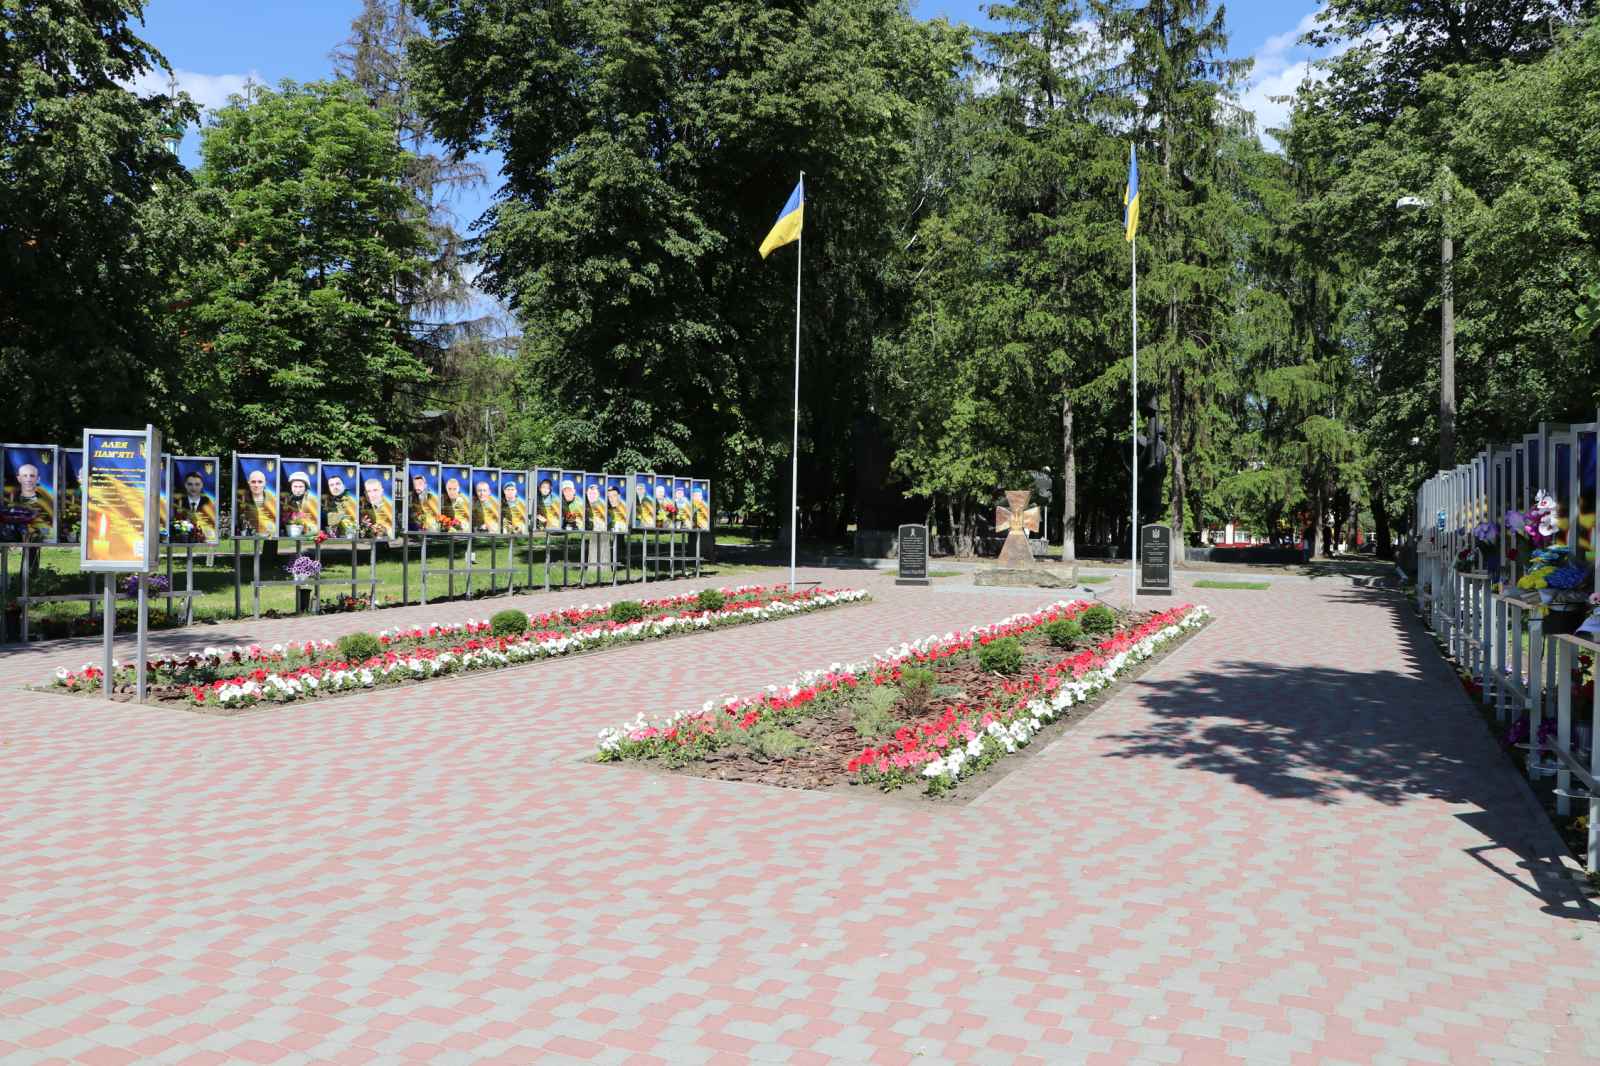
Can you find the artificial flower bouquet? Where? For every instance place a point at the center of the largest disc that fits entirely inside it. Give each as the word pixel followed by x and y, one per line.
pixel 1485 536
pixel 1568 583
pixel 1538 524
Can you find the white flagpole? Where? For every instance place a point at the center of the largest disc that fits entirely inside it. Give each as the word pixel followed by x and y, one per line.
pixel 1133 553
pixel 794 448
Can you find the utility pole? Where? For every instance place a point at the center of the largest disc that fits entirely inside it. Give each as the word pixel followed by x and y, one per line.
pixel 1447 337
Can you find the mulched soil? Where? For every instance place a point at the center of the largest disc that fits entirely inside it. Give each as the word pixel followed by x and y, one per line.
pixel 831 740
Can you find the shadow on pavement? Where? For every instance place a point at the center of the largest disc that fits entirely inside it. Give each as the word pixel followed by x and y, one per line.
pixel 1326 734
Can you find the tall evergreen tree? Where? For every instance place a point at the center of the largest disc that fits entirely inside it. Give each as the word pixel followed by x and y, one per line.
pixel 1180 91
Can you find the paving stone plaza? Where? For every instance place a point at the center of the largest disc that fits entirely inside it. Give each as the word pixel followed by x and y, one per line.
pixel 1290 840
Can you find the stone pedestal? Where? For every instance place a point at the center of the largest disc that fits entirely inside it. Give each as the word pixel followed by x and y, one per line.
pixel 1044 577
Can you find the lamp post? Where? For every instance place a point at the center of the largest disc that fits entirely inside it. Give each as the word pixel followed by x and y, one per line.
pixel 1447 320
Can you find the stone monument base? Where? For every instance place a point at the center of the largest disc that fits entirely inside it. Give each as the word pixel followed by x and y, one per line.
pixel 1043 577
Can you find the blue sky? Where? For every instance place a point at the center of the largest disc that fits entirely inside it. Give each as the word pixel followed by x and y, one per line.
pixel 215 45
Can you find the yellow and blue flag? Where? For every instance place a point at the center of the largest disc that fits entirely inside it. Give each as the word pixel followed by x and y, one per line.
pixel 1130 199
pixel 787 229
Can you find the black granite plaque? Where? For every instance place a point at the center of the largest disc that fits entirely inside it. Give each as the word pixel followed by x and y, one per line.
pixel 913 556
pixel 1155 561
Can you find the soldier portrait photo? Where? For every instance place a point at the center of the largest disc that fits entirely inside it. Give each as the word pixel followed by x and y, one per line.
pixel 485 500
pixel 513 502
pixel 456 503
pixel 617 504
pixel 594 503
pixel 299 510
pixel 680 502
pixel 661 490
pixel 194 501
pixel 422 497
pixel 376 514
pixel 255 489
pixel 700 504
pixel 571 499
pixel 547 502
pixel 30 505
pixel 340 514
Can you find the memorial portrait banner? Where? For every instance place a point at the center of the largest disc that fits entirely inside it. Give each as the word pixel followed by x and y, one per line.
pixel 31 509
pixel 379 486
pixel 196 489
pixel 255 495
pixel 422 501
pixel 341 509
pixel 514 502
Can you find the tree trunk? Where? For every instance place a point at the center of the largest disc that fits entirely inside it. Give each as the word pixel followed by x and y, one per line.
pixel 1380 515
pixel 1069 476
pixel 1318 509
pixel 1177 488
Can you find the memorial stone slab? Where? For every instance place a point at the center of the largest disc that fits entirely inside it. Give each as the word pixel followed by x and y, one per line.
pixel 913 555
pixel 1155 561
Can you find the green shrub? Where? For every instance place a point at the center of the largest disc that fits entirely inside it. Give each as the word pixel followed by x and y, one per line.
pixel 1063 632
pixel 508 623
pixel 1003 656
pixel 873 718
pixel 711 600
pixel 1098 620
pixel 626 611
pixel 359 647
pixel 917 684
pixel 772 741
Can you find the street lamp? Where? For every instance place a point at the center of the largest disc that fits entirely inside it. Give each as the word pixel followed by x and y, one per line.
pixel 1447 322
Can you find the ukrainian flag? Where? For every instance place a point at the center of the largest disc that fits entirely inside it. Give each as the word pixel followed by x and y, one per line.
pixel 1130 199
pixel 787 228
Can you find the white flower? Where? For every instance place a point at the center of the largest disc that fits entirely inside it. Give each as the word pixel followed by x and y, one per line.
pixel 975 747
pixel 934 768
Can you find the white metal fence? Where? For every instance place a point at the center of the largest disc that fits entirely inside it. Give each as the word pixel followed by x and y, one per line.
pixel 1518 648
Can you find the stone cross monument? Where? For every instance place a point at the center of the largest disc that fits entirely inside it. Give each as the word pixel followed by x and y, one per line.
pixel 1020 519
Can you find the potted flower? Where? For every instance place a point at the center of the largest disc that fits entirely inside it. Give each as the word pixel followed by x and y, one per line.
pixel 304 570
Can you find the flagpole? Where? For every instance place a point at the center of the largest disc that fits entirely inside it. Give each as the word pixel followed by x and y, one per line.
pixel 1133 553
pixel 794 448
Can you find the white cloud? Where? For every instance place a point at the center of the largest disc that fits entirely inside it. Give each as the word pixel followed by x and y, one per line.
pixel 210 91
pixel 1282 65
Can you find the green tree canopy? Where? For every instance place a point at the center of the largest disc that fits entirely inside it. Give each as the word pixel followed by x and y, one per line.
pixel 297 322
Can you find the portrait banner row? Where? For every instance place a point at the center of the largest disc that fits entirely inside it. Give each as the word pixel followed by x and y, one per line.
pixel 282 496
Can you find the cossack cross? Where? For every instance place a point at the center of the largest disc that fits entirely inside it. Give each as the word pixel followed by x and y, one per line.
pixel 1016 519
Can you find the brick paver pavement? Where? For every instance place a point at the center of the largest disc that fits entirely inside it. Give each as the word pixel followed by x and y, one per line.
pixel 1290 841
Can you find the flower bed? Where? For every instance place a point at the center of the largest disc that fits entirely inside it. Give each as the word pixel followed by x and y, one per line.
pixel 241 676
pixel 927 712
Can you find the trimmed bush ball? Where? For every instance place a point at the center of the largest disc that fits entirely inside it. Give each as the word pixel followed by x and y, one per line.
pixel 508 623
pixel 711 600
pixel 1098 620
pixel 1003 656
pixel 359 647
pixel 627 611
pixel 1063 632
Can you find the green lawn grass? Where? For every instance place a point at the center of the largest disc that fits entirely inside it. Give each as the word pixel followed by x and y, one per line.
pixel 1093 579
pixel 944 573
pixel 60 574
pixel 1210 583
